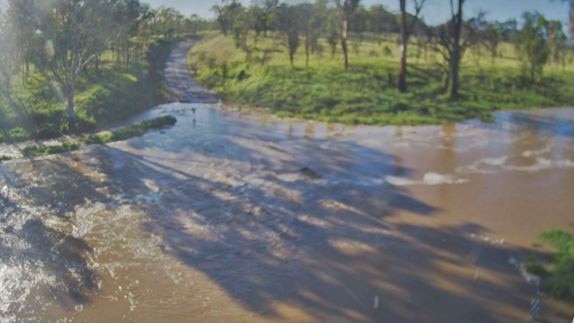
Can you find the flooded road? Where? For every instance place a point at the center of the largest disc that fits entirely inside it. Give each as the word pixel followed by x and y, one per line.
pixel 241 218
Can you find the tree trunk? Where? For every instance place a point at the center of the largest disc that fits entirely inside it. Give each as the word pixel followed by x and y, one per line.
pixel 454 69
pixel 70 113
pixel 446 81
pixel 307 49
pixel 344 36
pixel 456 53
pixel 8 89
pixel 404 44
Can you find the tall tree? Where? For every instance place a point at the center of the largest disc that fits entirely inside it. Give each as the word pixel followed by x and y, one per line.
pixel 21 18
pixel 9 54
pixel 226 15
pixel 557 40
pixel 310 25
pixel 456 50
pixel 127 15
pixel 288 25
pixel 407 28
pixel 491 40
pixel 265 15
pixel 74 35
pixel 451 47
pixel 533 44
pixel 345 9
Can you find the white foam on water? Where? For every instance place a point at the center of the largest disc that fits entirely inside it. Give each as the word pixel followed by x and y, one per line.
pixel 495 161
pixel 543 164
pixel 536 153
pixel 429 179
pixel 499 164
pixel 478 167
pixel 399 181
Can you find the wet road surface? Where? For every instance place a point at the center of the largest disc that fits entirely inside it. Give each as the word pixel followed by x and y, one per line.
pixel 242 218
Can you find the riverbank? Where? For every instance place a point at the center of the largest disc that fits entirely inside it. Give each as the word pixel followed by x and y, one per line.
pixel 366 94
pixel 106 95
pixel 100 138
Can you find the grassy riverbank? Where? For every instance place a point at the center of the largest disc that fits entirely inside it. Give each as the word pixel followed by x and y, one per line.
pixel 111 93
pixel 104 137
pixel 366 94
pixel 558 272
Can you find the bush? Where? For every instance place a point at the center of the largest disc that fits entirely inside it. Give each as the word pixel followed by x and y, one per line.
pixel 35 151
pixel 17 134
pixel 559 280
pixel 47 133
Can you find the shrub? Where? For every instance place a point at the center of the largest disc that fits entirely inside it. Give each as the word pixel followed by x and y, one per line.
pixel 559 280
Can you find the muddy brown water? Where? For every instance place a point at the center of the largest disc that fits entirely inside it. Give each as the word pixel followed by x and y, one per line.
pixel 240 218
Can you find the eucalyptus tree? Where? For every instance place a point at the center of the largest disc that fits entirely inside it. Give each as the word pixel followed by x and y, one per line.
pixel 533 44
pixel 407 27
pixel 9 54
pixel 557 40
pixel 265 15
pixel 127 17
pixel 310 23
pixel 289 27
pixel 74 34
pixel 491 39
pixel 227 15
pixel 450 45
pixel 345 9
pixel 21 20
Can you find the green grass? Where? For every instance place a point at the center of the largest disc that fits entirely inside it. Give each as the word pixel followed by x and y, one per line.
pixel 130 131
pixel 558 274
pixel 114 93
pixel 366 93
pixel 105 137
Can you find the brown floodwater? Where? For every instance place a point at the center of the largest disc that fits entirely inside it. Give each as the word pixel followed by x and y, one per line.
pixel 236 217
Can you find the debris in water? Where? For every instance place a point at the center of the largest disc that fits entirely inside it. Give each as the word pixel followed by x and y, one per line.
pixel 310 173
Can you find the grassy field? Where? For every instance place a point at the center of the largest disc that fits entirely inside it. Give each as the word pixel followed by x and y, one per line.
pixel 366 94
pixel 35 109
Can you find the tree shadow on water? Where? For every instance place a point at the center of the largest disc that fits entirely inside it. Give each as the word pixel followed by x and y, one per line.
pixel 283 244
pixel 328 250
pixel 273 237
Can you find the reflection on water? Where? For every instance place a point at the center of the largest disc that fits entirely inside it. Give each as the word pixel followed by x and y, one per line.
pixel 217 218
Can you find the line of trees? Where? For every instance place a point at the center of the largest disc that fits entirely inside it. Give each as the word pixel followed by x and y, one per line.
pixel 65 38
pixel 335 21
